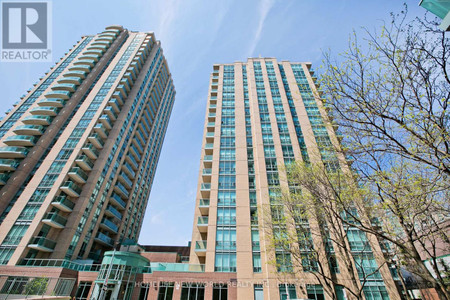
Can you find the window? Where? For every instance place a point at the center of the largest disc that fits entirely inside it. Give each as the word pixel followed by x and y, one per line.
pixel 226 216
pixel 165 291
pixel 284 263
pixel 225 262
pixel 259 292
pixel 315 292
pixel 192 291
pixel 226 198
pixel 377 292
pixel 143 294
pixel 257 262
pixel 220 292
pixel 225 239
pixel 287 290
pixel 64 287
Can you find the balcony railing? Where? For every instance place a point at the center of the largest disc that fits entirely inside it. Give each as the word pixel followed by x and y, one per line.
pixel 84 162
pixel 117 200
pixel 13 152
pixel 55 220
pixel 63 203
pixel 42 244
pixel 71 188
pixel 8 164
pixel 91 151
pixel 200 246
pixel 29 129
pixel 108 225
pixel 111 211
pixel 37 120
pixel 78 175
pixel 205 186
pixel 104 239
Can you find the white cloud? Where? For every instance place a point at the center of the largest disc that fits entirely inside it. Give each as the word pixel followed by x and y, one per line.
pixel 263 10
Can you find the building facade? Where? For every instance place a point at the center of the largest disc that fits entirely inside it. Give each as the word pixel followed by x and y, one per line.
pixel 78 153
pixel 261 116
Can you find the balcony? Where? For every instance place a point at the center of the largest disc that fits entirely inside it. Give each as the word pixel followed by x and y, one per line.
pixel 54 220
pixel 106 121
pixel 42 244
pixel 52 102
pixel 71 80
pixel 96 140
pixel 64 87
pixel 213 99
pixel 128 170
pixel 112 212
pixel 13 152
pixel 29 129
pixel 20 140
pixel 115 105
pixel 101 130
pixel 90 151
pixel 94 57
pixel 132 161
pixel 211 116
pixel 80 74
pixel 203 205
pixel 202 224
pixel 118 96
pixel 103 239
pixel 45 111
pixel 210 136
pixel 58 95
pixel 206 175
pixel 4 178
pixel 126 84
pixel 200 248
pixel 78 175
pixel 8 164
pixel 209 148
pixel 123 178
pixel 71 188
pixel 85 61
pixel 108 34
pixel 37 120
pixel 110 226
pixel 137 146
pixel 212 107
pixel 121 190
pixel 84 162
pixel 117 201
pixel 63 203
pixel 98 46
pixel 81 67
pixel 205 187
pixel 110 112
pixel 211 124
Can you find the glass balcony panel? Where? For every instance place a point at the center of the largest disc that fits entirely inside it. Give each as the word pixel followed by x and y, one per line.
pixel 8 164
pixel 45 111
pixel 52 102
pixel 112 212
pixel 63 203
pixel 20 140
pixel 42 244
pixel 64 87
pixel 90 151
pixel 104 239
pixel 109 225
pixel 29 129
pixel 117 201
pixel 84 162
pixel 37 120
pixel 96 140
pixel 54 220
pixel 132 161
pixel 4 178
pixel 13 152
pixel 121 190
pixel 128 169
pixel 125 180
pixel 81 74
pixel 206 186
pixel 58 94
pixel 85 61
pixel 71 188
pixel 78 175
pixel 200 248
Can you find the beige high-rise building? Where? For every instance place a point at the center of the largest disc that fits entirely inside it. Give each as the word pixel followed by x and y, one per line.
pixel 78 153
pixel 261 115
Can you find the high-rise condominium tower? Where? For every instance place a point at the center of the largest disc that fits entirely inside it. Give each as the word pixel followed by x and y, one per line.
pixel 261 115
pixel 78 153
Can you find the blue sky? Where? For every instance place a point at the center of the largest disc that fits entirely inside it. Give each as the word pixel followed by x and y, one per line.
pixel 195 34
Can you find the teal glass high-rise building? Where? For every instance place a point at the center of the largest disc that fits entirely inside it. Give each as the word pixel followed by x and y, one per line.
pixel 79 152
